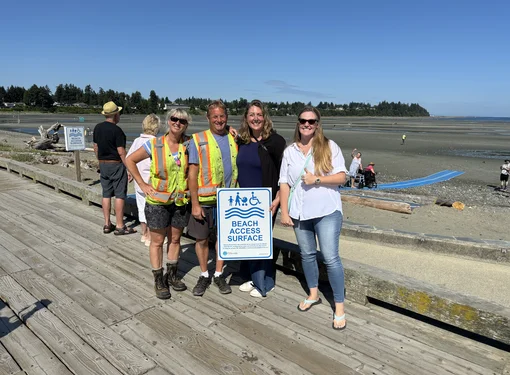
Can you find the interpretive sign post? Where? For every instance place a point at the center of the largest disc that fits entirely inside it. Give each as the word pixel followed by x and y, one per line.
pixel 245 229
pixel 75 141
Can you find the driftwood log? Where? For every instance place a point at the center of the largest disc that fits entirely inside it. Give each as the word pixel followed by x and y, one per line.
pixel 49 137
pixel 400 207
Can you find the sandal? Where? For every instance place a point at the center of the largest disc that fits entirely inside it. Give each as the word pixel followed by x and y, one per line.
pixel 311 302
pixel 338 319
pixel 124 230
pixel 108 228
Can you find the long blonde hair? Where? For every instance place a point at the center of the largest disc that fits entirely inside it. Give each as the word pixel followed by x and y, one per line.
pixel 321 151
pixel 267 128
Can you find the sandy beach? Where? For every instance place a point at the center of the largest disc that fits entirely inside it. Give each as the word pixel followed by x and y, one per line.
pixel 475 147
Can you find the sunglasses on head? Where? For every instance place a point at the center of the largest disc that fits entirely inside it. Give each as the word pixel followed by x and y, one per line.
pixel 181 120
pixel 303 121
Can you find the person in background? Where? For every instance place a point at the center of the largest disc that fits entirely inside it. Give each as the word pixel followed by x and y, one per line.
pixel 150 128
pixel 167 210
pixel 369 174
pixel 503 177
pixel 403 138
pixel 258 162
pixel 212 159
pixel 110 149
pixel 356 166
pixel 312 169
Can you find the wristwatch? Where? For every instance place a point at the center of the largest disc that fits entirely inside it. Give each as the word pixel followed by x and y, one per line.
pixel 317 181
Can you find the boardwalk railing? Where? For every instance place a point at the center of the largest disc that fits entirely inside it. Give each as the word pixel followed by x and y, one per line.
pixel 362 281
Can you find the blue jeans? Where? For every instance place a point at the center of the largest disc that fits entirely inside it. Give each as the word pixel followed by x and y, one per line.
pixel 261 272
pixel 327 229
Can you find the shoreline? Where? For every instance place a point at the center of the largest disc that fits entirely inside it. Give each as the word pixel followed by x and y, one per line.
pixel 486 212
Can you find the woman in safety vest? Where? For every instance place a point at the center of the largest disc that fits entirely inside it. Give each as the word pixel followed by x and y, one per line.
pixel 167 210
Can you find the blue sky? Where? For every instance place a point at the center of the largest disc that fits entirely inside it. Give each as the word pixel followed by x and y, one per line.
pixel 452 57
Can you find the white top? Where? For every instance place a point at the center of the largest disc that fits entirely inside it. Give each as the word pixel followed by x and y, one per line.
pixel 504 168
pixel 144 166
pixel 311 201
pixel 353 169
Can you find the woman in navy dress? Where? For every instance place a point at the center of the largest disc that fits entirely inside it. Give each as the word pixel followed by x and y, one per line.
pixel 258 162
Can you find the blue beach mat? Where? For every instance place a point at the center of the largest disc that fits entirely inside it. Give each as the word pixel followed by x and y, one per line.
pixel 429 180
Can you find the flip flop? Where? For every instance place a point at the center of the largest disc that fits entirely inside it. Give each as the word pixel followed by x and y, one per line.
pixel 124 230
pixel 311 302
pixel 108 228
pixel 339 319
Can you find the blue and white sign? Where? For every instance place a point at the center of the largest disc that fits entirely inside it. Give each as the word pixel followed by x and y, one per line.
pixel 74 138
pixel 244 220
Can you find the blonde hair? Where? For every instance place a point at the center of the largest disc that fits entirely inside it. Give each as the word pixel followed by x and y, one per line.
pixel 150 124
pixel 216 104
pixel 182 114
pixel 267 128
pixel 321 152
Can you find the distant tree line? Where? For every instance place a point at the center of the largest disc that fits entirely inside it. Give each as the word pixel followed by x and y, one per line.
pixel 70 98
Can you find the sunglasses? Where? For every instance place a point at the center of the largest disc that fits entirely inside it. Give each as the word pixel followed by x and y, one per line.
pixel 182 121
pixel 303 121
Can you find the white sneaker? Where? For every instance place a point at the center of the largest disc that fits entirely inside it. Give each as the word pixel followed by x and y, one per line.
pixel 255 293
pixel 246 287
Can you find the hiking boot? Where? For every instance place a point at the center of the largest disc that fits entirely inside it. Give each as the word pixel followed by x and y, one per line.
pixel 160 287
pixel 222 285
pixel 171 278
pixel 202 284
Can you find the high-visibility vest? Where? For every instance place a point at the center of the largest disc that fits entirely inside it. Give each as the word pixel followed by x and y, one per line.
pixel 168 177
pixel 211 174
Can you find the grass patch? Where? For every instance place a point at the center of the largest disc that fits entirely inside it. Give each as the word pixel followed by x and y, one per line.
pixel 6 147
pixel 23 158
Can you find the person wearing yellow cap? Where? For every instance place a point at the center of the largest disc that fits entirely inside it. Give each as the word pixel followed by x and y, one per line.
pixel 110 148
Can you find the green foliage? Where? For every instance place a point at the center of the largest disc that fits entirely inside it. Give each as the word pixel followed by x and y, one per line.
pixel 23 157
pixel 39 98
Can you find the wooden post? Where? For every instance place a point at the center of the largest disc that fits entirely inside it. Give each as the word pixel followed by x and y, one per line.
pixel 77 165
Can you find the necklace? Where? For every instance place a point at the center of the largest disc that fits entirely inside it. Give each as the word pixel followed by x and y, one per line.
pixel 304 148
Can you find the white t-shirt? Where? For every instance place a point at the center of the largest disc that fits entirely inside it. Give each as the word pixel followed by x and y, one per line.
pixel 504 168
pixel 144 166
pixel 311 201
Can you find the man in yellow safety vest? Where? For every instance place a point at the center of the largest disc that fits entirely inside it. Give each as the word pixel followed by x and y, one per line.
pixel 212 165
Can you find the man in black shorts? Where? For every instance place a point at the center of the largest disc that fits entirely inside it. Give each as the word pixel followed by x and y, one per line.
pixel 110 148
pixel 213 150
pixel 503 177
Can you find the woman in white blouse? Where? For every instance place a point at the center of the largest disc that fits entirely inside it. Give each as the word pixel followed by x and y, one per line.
pixel 312 170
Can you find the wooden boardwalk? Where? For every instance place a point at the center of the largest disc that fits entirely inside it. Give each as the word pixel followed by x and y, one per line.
pixel 75 301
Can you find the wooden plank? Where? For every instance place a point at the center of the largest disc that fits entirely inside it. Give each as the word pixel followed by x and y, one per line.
pixel 26 232
pixel 30 353
pixel 157 346
pixel 22 204
pixel 10 242
pixel 7 364
pixel 113 347
pixel 400 207
pixel 293 347
pixel 88 298
pixel 234 341
pixel 158 371
pixel 114 292
pixel 406 327
pixel 75 353
pixel 360 345
pixel 210 354
pixel 10 263
pixel 2 272
pixel 393 344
